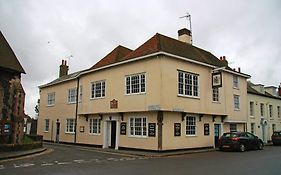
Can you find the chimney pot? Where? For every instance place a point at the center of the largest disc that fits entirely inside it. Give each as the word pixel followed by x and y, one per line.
pixel 239 69
pixel 279 90
pixel 63 69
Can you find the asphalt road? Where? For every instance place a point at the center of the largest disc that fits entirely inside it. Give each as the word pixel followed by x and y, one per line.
pixel 72 160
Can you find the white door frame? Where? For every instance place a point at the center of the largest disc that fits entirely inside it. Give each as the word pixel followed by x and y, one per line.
pixel 107 119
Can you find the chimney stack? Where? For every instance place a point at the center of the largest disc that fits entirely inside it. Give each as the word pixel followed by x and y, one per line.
pixel 63 69
pixel 222 59
pixel 279 90
pixel 184 35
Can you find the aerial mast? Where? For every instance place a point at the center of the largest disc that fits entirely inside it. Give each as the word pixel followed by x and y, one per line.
pixel 188 17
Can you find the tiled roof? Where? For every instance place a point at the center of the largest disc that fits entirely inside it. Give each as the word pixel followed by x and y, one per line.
pixel 62 79
pixel 8 59
pixel 169 45
pixel 266 94
pixel 117 55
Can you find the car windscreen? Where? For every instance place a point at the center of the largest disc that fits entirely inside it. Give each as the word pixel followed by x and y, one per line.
pixel 230 135
pixel 277 133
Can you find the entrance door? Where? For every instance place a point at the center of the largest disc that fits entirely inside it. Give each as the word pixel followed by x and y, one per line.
pixel 58 132
pixel 113 134
pixel 217 129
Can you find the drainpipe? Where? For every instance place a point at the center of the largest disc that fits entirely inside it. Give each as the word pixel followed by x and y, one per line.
pixel 76 109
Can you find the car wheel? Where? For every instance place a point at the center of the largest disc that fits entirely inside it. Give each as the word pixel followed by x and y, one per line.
pixel 221 149
pixel 260 146
pixel 242 147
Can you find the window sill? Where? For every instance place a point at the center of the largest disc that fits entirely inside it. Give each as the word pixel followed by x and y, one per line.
pixel 71 133
pixel 187 96
pixel 139 137
pixel 237 88
pixel 236 109
pixel 142 93
pixel 94 134
pixel 216 102
pixel 252 116
pixel 190 135
pixel 71 103
pixel 98 98
pixel 51 105
pixel 46 131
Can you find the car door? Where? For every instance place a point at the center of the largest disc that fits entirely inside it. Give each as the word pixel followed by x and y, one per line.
pixel 253 140
pixel 244 140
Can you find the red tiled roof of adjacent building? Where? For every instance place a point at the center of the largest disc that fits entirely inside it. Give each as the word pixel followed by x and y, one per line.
pixel 8 59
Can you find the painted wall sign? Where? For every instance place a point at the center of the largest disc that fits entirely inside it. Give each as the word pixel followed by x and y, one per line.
pixel 113 104
pixel 177 129
pixel 217 79
pixel 206 129
pixel 151 129
pixel 123 128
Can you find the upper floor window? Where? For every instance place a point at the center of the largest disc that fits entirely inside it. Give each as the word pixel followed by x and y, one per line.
pixel 94 125
pixel 51 98
pixel 80 93
pixel 188 84
pixel 72 95
pixel 236 102
pixel 190 125
pixel 262 109
pixel 233 127
pixel 135 84
pixel 252 108
pixel 235 81
pixel 270 111
pixel 215 94
pixel 70 125
pixel 278 112
pixel 138 126
pixel 98 89
pixel 47 125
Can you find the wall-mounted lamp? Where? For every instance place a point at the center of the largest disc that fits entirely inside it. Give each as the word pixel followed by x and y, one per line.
pixel 122 116
pixel 200 117
pixel 100 116
pixel 86 117
pixel 214 117
pixel 183 114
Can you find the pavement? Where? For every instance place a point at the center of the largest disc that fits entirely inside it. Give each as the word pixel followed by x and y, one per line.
pixel 123 152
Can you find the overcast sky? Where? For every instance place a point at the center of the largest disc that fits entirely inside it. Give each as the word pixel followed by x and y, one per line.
pixel 43 32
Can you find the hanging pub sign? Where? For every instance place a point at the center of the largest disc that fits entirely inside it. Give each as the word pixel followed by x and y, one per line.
pixel 206 129
pixel 123 128
pixel 217 79
pixel 177 129
pixel 7 129
pixel 151 129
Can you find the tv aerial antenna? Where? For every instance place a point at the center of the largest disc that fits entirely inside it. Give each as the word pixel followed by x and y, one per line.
pixel 68 59
pixel 188 18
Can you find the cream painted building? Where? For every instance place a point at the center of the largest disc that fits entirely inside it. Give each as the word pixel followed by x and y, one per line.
pixel 264 114
pixel 156 97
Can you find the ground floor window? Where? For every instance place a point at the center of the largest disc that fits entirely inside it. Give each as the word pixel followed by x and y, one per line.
pixel 138 126
pixel 94 125
pixel 233 127
pixel 190 125
pixel 273 127
pixel 70 125
pixel 253 128
pixel 47 124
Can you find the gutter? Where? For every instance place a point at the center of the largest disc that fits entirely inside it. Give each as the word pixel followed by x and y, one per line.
pixel 76 109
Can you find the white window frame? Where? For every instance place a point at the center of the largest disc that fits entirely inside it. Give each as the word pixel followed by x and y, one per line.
pixel 270 109
pixel 216 94
pixel 140 130
pixel 72 95
pixel 190 125
pixel 233 127
pixel 252 108
pixel 51 98
pixel 46 125
pixel 278 112
pixel 135 87
pixel 98 93
pixel 235 81
pixel 236 101
pixel 70 126
pixel 188 84
pixel 94 125
pixel 262 109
